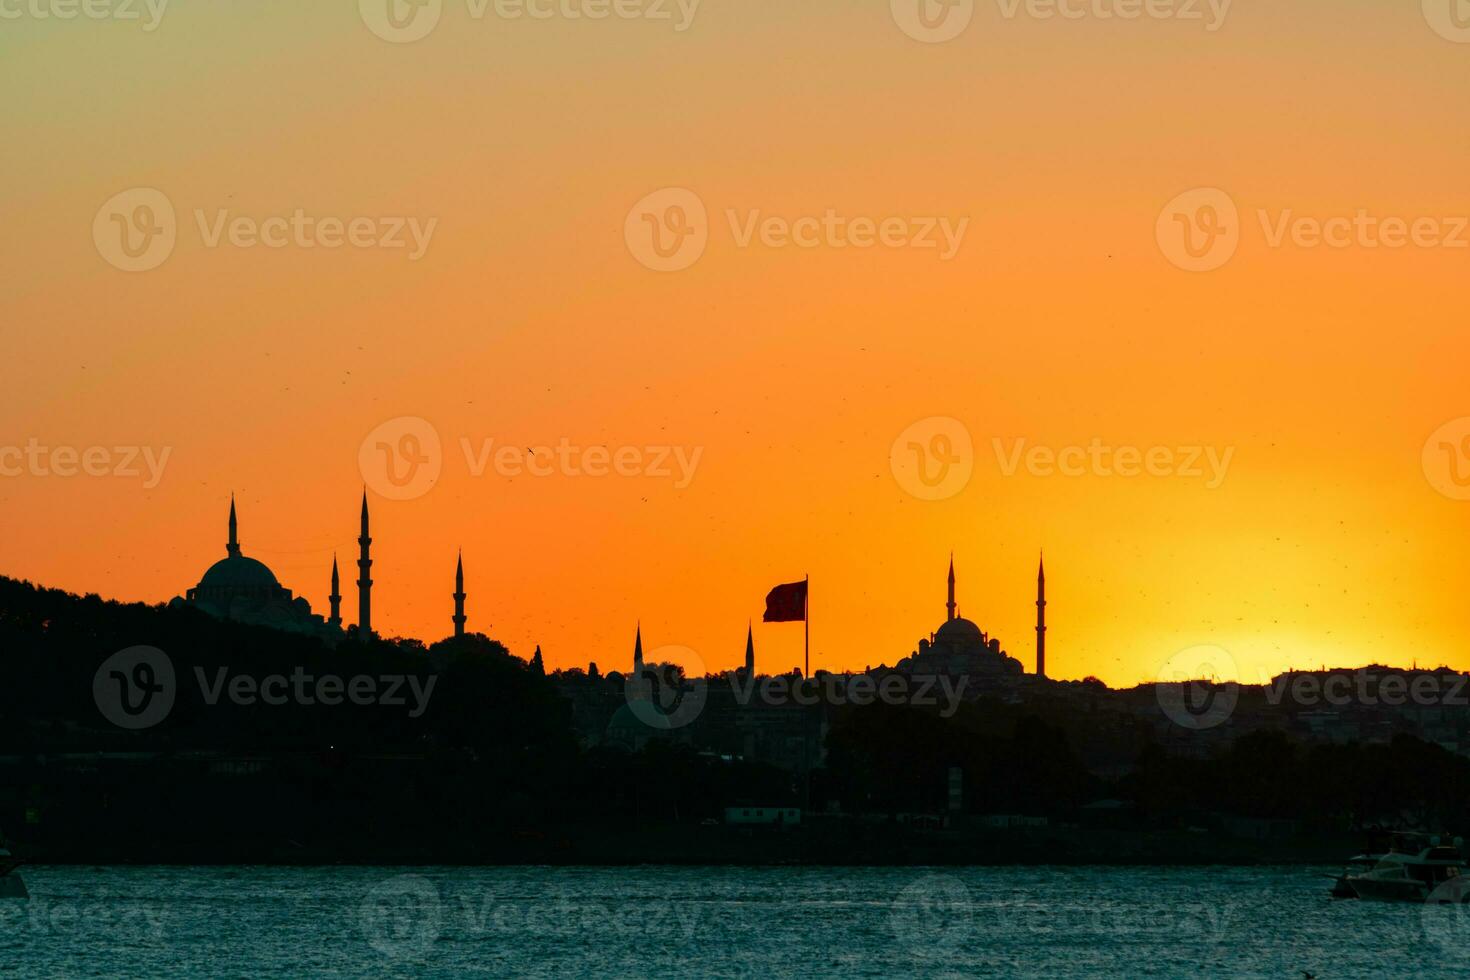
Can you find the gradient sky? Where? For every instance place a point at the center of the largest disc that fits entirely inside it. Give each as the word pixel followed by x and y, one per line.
pixel 793 370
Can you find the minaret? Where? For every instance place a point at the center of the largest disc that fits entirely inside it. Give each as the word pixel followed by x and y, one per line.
pixel 638 651
pixel 335 598
pixel 1041 617
pixel 233 546
pixel 950 605
pixel 749 651
pixel 459 598
pixel 365 579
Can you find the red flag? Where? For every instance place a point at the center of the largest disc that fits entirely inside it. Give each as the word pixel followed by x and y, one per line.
pixel 786 604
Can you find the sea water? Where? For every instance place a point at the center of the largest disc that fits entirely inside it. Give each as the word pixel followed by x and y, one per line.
pixel 717 922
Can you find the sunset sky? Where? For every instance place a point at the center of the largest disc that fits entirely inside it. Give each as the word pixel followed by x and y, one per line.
pixel 790 372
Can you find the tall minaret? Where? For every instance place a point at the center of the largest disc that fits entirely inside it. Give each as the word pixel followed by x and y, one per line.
pixel 335 598
pixel 459 598
pixel 365 579
pixel 750 651
pixel 232 548
pixel 1041 618
pixel 950 605
pixel 638 651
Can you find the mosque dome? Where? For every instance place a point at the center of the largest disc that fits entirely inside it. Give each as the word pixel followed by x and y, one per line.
pixel 238 572
pixel 959 633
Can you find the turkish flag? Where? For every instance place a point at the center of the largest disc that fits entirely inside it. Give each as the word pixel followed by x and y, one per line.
pixel 786 604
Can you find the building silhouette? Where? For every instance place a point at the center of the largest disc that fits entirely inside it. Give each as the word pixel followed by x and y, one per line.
pixel 365 578
pixel 959 647
pixel 243 589
pixel 459 597
pixel 1041 618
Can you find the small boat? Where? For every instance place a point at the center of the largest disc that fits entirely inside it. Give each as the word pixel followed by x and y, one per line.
pixel 1415 868
pixel 11 885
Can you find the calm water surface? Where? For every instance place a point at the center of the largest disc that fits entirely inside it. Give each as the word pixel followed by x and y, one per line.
pixel 766 923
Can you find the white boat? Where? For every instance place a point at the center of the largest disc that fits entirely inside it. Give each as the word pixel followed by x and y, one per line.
pixel 1358 864
pixel 1415 867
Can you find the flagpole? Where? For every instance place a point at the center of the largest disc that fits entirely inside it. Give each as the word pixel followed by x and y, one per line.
pixel 806 620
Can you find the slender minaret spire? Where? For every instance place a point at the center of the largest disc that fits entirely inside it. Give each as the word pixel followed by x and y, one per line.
pixel 638 651
pixel 459 598
pixel 233 547
pixel 1041 617
pixel 335 598
pixel 365 578
pixel 750 650
pixel 950 605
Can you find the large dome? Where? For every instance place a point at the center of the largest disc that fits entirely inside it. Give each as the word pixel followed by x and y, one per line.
pixel 959 633
pixel 238 572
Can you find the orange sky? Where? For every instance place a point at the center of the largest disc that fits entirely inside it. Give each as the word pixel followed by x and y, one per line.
pixel 790 371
